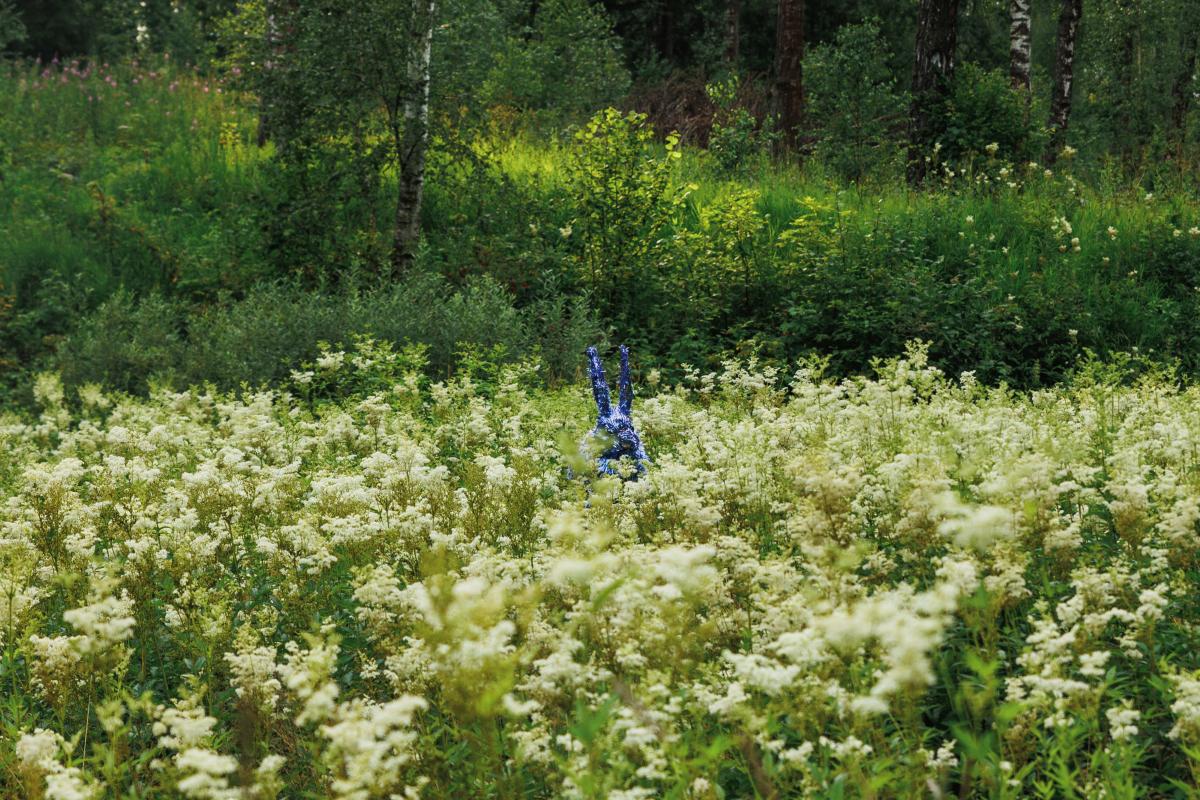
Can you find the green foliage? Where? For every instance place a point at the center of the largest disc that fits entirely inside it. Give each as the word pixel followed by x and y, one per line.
pixel 983 109
pixel 625 200
pixel 736 137
pixel 561 328
pixel 12 29
pixel 567 62
pixel 1133 52
pixel 854 100
pixel 123 343
pixel 611 236
pixel 720 273
pixel 258 339
pixel 116 29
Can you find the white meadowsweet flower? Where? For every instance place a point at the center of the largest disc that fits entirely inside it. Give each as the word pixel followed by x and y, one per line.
pixel 1121 721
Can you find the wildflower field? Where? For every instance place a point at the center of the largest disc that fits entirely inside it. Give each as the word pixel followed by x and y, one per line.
pixel 906 586
pixel 304 493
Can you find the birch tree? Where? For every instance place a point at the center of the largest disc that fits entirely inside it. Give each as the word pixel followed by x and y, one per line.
pixel 364 68
pixel 933 69
pixel 1064 77
pixel 357 72
pixel 412 139
pixel 1018 47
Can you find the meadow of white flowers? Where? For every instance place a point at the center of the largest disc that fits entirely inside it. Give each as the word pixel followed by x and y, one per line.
pixel 911 586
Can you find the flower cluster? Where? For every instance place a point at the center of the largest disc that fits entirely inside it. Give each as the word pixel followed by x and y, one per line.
pixel 404 592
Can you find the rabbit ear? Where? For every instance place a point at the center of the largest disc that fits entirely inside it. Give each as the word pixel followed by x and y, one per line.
pixel 599 385
pixel 624 384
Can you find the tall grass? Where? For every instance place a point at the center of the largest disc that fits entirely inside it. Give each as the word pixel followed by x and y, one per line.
pixel 123 175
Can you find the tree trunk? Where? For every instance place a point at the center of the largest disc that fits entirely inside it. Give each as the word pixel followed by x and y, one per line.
pixel 415 140
pixel 271 68
pixel 666 31
pixel 733 33
pixel 1182 89
pixel 531 20
pixel 1064 77
pixel 933 69
pixel 1018 47
pixel 789 66
pixel 1125 103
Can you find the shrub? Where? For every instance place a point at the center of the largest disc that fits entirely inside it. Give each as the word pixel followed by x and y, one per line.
pixel 252 340
pixel 854 101
pixel 258 339
pixel 561 328
pixel 622 187
pixel 123 343
pixel 735 137
pixel 983 109
pixel 425 310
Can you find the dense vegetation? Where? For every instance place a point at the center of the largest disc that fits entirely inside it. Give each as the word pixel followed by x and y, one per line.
pixel 293 302
pixel 135 201
pixel 872 588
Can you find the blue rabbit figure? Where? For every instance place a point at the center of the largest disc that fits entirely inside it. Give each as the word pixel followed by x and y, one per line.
pixel 614 426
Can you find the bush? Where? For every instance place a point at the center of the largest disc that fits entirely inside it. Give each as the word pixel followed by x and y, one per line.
pixel 562 328
pixel 123 343
pixel 259 339
pixel 624 202
pixel 255 339
pixel 425 310
pixel 736 137
pixel 983 109
pixel 854 101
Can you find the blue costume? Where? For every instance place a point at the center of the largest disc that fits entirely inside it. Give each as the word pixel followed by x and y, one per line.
pixel 614 427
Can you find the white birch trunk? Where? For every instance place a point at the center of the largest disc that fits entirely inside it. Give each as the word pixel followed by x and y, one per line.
pixel 1064 77
pixel 416 136
pixel 1018 47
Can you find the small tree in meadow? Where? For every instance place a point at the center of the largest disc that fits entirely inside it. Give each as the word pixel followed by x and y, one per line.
pixel 854 100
